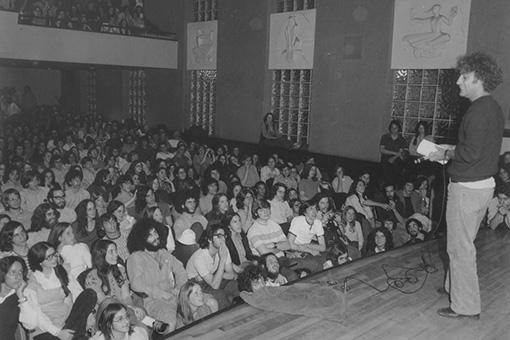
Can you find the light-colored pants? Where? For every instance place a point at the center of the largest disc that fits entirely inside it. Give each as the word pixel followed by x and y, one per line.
pixel 464 213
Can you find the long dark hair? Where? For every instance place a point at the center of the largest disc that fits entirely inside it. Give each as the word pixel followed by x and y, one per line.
pixel 104 268
pixel 81 216
pixel 7 262
pixel 56 232
pixel 7 233
pixel 242 196
pixel 140 202
pixel 371 245
pixel 37 255
pixel 417 130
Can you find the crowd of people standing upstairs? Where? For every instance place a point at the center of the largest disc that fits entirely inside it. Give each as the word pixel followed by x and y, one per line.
pixel 105 220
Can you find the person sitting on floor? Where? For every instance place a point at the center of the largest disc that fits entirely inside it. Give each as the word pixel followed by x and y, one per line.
pixel 211 266
pixel 191 306
pixel 379 240
pixel 415 230
pixel 269 263
pixel 189 215
pixel 154 271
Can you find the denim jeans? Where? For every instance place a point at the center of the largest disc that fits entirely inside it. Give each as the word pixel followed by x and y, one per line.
pixel 464 213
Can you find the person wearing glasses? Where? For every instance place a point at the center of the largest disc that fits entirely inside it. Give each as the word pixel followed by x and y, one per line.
pixel 211 266
pixel 58 306
pixel 57 199
pixel 114 324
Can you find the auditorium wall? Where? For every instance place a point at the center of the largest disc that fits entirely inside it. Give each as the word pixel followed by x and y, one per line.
pixel 45 84
pixel 351 99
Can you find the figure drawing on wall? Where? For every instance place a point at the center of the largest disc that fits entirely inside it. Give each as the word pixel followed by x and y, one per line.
pixel 429 34
pixel 202 43
pixel 292 40
pixel 431 43
pixel 205 46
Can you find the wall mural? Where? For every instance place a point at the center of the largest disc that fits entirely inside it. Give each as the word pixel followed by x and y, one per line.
pixel 202 42
pixel 292 37
pixel 429 34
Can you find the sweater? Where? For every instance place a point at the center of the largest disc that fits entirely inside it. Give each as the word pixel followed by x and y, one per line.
pixel 480 138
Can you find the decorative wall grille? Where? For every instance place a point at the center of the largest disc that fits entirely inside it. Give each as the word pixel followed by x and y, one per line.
pixel 137 96
pixel 91 92
pixel 292 89
pixel 203 82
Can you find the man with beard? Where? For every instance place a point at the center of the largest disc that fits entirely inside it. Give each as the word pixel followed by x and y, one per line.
pixel 211 266
pixel 154 271
pixel 393 201
pixel 189 216
pixel 57 199
pixel 45 217
pixel 271 266
pixel 415 230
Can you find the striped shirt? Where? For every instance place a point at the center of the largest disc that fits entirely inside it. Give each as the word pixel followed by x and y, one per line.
pixel 264 234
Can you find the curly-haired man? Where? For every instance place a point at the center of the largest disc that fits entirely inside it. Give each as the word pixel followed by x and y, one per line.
pixel 473 162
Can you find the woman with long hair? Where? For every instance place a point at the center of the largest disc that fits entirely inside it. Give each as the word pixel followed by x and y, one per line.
pixel 118 209
pixel 76 255
pixel 309 184
pixel 146 198
pixel 114 324
pixel 13 241
pixel 351 228
pixel 58 306
pixel 190 304
pixel 237 244
pixel 13 277
pixel 236 189
pixel 220 208
pixel 155 213
pixel 358 199
pixel 244 208
pixel 114 281
pixel 123 191
pixel 269 134
pixel 379 240
pixel 84 227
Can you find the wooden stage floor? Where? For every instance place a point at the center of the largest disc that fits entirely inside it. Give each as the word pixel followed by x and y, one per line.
pixel 387 315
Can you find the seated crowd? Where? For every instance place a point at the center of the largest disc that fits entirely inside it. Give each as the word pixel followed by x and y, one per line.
pixel 110 228
pixel 112 16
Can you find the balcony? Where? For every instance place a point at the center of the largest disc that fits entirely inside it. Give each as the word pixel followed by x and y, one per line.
pixel 23 42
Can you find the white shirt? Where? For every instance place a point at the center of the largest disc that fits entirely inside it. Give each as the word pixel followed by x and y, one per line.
pixel 305 232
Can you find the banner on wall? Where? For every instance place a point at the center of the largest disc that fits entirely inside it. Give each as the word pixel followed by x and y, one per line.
pixel 291 40
pixel 202 42
pixel 429 34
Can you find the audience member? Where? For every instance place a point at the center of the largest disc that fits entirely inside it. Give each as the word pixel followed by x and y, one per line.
pixel 211 266
pixel 154 271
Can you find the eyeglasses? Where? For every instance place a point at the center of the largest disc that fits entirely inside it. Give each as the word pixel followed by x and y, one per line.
pixel 51 256
pixel 22 234
pixel 121 318
pixel 59 197
pixel 220 235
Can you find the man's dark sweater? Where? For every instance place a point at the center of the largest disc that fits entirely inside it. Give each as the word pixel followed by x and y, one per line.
pixel 480 138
